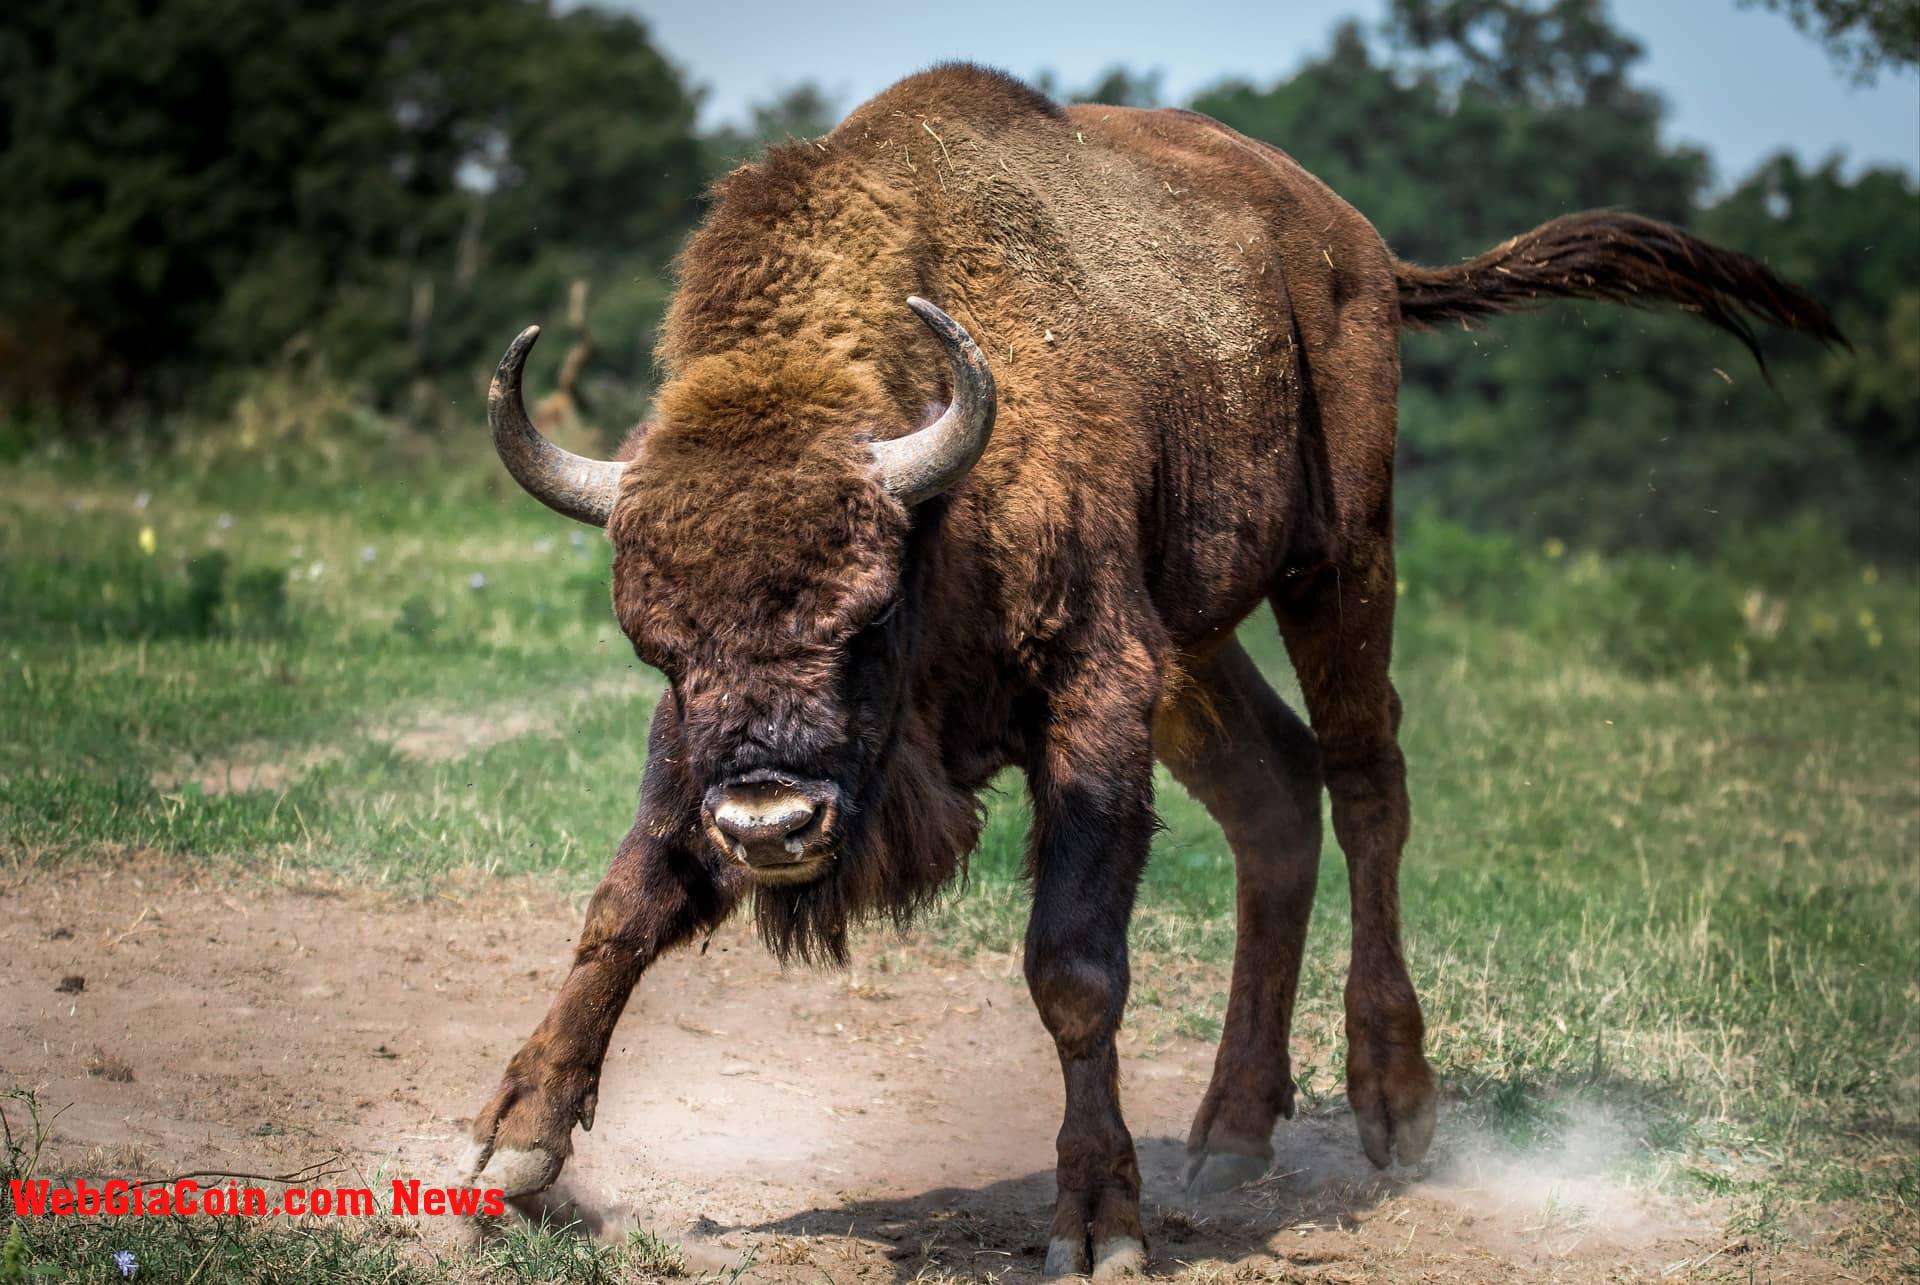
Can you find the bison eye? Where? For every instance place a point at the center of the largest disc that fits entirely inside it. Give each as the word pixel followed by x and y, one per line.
pixel 872 637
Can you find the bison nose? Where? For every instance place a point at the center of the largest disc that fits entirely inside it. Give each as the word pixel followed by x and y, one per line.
pixel 756 814
pixel 769 823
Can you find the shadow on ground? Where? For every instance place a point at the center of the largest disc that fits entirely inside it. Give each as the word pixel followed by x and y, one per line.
pixel 999 1229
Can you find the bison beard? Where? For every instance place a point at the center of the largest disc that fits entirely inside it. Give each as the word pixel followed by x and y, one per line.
pixel 1195 366
pixel 900 851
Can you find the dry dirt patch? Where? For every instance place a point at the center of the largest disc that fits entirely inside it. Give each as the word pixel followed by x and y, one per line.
pixel 888 1124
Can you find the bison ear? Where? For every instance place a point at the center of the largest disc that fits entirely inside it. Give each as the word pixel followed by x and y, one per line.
pixel 921 465
pixel 581 488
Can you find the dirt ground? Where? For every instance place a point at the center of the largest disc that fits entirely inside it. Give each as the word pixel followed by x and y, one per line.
pixel 894 1122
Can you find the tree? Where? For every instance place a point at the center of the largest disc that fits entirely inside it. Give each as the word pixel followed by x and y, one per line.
pixel 1116 87
pixel 802 111
pixel 1562 54
pixel 200 187
pixel 1862 35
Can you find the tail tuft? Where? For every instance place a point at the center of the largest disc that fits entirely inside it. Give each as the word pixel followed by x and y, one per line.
pixel 1616 258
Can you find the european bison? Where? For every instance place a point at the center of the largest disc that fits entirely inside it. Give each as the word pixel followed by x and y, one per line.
pixel 879 560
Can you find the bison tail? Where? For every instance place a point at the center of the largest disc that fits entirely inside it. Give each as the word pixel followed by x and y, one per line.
pixel 1617 258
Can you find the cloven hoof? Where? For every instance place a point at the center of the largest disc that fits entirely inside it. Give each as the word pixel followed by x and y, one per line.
pixel 1118 1257
pixel 513 1171
pixel 1066 1256
pixel 1114 1258
pixel 1211 1172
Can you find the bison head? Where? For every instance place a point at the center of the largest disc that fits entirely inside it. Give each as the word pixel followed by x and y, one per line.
pixel 764 561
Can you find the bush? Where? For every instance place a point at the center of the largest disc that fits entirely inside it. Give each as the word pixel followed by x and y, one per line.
pixel 293 428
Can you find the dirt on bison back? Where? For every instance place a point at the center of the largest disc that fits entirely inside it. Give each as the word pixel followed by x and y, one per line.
pixel 878 1124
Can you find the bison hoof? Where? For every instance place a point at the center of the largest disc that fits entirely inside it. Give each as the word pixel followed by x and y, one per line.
pixel 1397 1125
pixel 1119 1256
pixel 514 1171
pixel 1211 1172
pixel 1113 1258
pixel 1405 1139
pixel 1066 1256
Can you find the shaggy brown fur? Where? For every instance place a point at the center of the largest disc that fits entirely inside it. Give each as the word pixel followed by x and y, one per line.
pixel 1196 348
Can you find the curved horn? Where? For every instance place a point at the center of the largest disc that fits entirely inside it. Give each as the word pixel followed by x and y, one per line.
pixel 921 465
pixel 579 487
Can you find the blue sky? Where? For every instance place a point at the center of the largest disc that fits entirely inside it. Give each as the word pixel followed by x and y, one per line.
pixel 1741 81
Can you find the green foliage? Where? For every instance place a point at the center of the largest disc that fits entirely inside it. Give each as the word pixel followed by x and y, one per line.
pixel 1117 86
pixel 202 188
pixel 1560 53
pixel 23 1135
pixel 544 1251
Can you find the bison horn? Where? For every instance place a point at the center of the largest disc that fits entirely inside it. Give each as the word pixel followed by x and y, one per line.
pixel 579 487
pixel 921 465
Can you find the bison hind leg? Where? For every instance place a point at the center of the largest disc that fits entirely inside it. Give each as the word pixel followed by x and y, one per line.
pixel 1237 748
pixel 1338 629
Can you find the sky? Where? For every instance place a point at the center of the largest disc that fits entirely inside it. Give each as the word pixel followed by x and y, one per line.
pixel 1742 82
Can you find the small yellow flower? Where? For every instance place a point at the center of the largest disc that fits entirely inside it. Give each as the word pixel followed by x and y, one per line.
pixel 1400 588
pixel 148 541
pixel 1875 637
pixel 1871 575
pixel 1555 548
pixel 1867 621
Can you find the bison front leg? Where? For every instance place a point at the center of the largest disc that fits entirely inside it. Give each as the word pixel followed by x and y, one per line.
pixel 654 897
pixel 1092 789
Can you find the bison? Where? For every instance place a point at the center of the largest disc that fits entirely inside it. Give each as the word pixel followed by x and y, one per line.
pixel 882 550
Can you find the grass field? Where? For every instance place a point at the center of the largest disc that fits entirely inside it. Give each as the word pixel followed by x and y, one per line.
pixel 1665 864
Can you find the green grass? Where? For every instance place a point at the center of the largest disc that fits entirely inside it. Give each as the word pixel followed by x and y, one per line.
pixel 1665 862
pixel 303 1251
